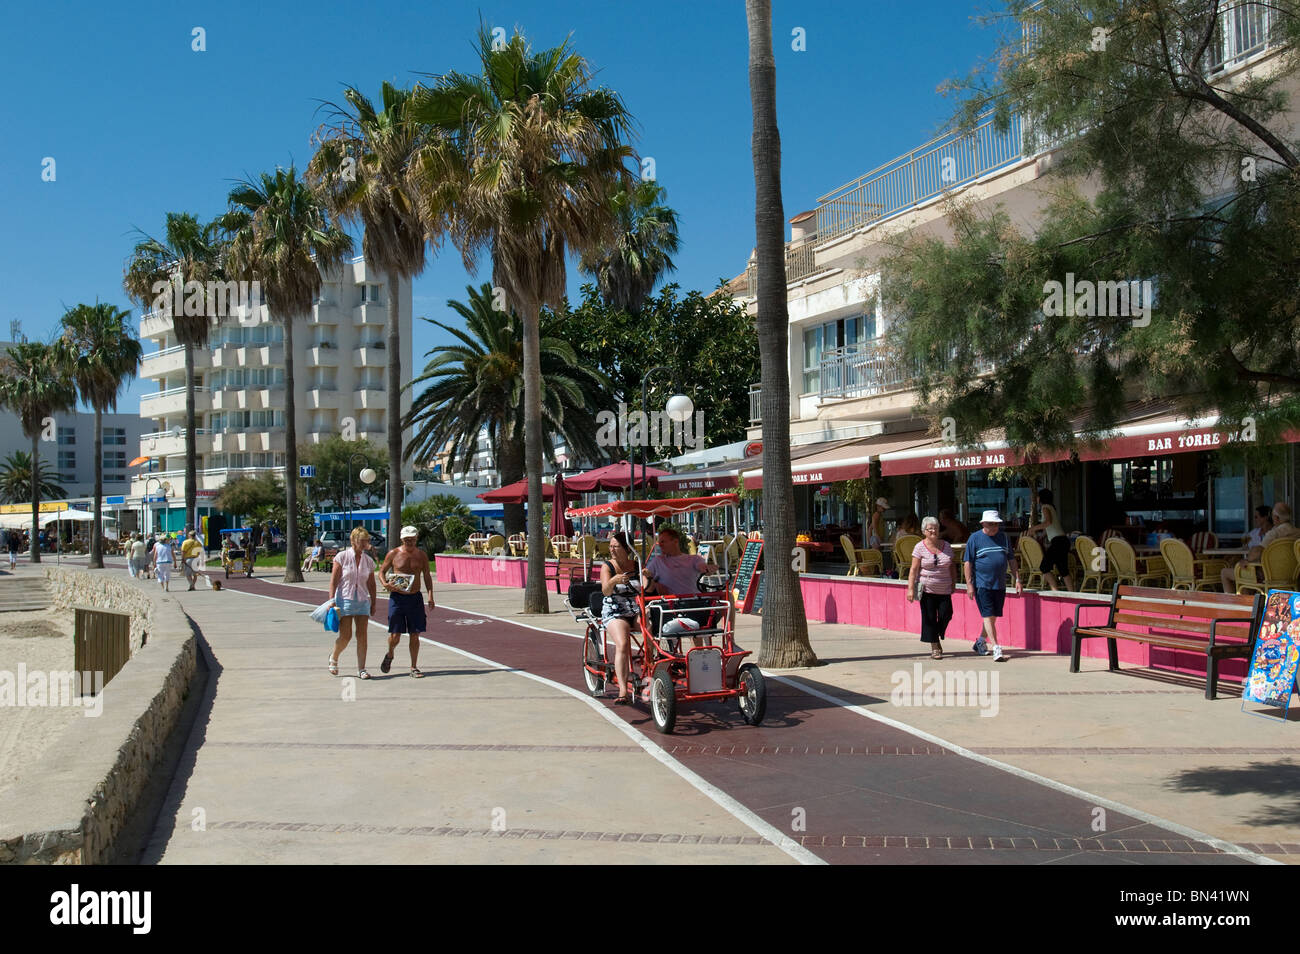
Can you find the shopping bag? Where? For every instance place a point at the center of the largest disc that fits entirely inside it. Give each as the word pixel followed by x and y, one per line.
pixel 320 612
pixel 332 620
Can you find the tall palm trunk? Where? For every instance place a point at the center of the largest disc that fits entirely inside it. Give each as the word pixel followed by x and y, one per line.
pixel 292 569
pixel 395 487
pixel 510 464
pixel 535 600
pixel 97 534
pixel 36 496
pixel 191 445
pixel 785 625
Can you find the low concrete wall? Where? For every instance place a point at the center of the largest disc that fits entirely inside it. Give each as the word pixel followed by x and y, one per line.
pixel 71 806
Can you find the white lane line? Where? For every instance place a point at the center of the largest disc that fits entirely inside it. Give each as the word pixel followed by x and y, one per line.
pixel 770 832
pixel 1224 846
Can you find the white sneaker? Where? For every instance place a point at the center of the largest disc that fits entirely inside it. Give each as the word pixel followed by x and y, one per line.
pixel 997 654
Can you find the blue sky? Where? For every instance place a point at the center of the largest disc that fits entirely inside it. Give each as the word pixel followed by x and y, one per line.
pixel 140 124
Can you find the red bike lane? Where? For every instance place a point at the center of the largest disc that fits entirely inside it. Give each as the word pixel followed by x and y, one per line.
pixel 849 789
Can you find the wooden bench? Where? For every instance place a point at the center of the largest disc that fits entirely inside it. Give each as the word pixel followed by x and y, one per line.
pixel 571 570
pixel 1174 619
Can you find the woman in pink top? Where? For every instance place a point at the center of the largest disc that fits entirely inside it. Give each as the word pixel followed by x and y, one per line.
pixel 352 591
pixel 932 579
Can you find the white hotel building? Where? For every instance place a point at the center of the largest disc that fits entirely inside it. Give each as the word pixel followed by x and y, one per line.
pixel 856 411
pixel 340 370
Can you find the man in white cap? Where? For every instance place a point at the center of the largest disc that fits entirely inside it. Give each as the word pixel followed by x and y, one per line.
pixel 988 557
pixel 400 574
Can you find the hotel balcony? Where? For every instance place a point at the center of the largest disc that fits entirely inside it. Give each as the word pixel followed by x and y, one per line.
pixel 250 439
pixel 248 356
pixel 322 397
pixel 371 355
pixel 172 360
pixel 366 396
pixel 172 402
pixel 371 313
pixel 248 399
pixel 324 313
pixel 168 443
pixel 323 357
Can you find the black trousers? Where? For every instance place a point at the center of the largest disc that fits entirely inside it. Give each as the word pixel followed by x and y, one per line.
pixel 936 614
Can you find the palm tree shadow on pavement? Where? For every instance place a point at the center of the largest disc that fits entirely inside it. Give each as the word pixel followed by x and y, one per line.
pixel 1277 781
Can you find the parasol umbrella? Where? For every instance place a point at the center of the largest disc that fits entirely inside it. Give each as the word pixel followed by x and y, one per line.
pixel 613 477
pixel 516 493
pixel 561 525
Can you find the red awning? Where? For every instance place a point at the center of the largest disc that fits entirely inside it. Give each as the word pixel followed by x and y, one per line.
pixel 515 493
pixel 946 457
pixel 658 508
pixel 843 460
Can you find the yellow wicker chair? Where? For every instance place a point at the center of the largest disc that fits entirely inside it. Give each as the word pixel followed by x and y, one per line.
pixel 862 562
pixel 1030 554
pixel 1277 566
pixel 496 545
pixel 1129 569
pixel 1090 556
pixel 903 548
pixel 518 545
pixel 1187 572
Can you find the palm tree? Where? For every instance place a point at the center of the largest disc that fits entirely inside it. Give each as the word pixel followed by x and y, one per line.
pixel 16 479
pixel 785 627
pixel 373 189
pixel 282 238
pixel 34 384
pixel 627 271
pixel 188 252
pixel 524 159
pixel 478 383
pixel 101 353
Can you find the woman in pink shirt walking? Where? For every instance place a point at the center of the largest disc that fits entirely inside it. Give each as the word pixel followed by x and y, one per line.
pixel 352 591
pixel 932 579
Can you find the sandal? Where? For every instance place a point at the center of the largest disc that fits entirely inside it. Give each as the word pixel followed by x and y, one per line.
pixel 362 674
pixel 387 664
pixel 416 674
pixel 623 700
pixel 936 653
pixel 334 666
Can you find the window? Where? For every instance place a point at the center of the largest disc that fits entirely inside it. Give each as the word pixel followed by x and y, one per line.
pixel 115 435
pixel 115 459
pixel 370 293
pixel 850 334
pixel 67 435
pixel 67 462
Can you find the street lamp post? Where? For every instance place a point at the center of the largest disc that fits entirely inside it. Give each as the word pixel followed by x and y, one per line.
pixel 679 408
pixel 367 476
pixel 163 485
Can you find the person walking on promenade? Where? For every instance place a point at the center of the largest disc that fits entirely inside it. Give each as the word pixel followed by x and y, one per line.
pixel 352 591
pixel 192 557
pixel 402 570
pixel 162 562
pixel 1056 556
pixel 988 557
pixel 932 579
pixel 11 543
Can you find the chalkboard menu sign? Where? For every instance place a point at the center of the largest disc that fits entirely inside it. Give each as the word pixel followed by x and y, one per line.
pixel 757 607
pixel 743 592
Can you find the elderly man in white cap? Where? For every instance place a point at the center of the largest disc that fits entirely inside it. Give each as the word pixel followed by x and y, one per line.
pixel 400 574
pixel 988 557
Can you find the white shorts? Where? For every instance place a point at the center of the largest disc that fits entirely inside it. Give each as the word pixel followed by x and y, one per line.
pixel 164 571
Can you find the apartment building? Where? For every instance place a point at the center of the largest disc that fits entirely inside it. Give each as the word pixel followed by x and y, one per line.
pixel 855 411
pixel 340 387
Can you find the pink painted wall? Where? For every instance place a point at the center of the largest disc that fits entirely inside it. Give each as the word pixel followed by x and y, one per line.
pixel 1029 621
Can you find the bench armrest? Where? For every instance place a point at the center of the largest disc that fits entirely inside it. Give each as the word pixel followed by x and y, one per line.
pixel 1109 607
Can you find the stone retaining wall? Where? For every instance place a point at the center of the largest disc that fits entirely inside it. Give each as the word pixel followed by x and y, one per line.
pixel 71 806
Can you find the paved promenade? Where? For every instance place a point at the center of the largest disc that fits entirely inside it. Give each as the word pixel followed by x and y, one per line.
pixel 499 755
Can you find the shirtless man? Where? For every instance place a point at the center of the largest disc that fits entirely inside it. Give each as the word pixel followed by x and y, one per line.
pixel 405 609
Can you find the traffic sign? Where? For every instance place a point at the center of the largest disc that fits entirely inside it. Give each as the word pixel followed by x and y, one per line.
pixel 156 498
pixel 307 470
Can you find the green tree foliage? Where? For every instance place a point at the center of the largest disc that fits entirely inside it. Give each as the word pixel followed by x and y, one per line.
pixel 707 341
pixel 1194 185
pixel 16 479
pixel 249 496
pixel 443 521
pixel 337 463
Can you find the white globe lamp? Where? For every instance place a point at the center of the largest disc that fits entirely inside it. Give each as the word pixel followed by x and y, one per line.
pixel 680 408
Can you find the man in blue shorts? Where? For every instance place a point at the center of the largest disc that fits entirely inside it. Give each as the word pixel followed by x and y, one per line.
pixel 988 557
pixel 400 574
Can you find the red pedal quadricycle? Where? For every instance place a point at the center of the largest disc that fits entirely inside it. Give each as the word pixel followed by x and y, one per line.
pixel 673 637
